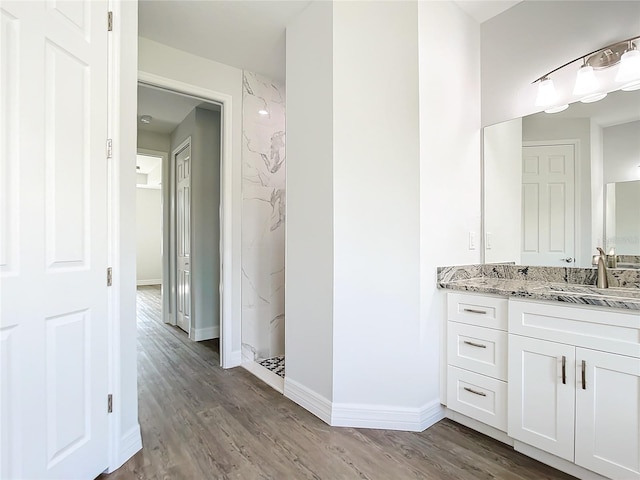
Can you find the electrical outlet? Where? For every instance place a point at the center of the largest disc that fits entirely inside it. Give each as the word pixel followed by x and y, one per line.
pixel 472 240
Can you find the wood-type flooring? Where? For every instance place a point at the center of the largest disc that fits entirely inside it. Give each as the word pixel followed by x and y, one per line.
pixel 202 422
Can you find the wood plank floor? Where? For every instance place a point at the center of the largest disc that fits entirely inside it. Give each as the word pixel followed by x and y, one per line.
pixel 202 422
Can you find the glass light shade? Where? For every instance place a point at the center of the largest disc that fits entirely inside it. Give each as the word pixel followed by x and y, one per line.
pixel 629 69
pixel 630 87
pixel 585 81
pixel 558 109
pixel 546 93
pixel 593 98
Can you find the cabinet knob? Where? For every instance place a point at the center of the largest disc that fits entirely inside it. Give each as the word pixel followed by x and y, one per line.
pixel 568 259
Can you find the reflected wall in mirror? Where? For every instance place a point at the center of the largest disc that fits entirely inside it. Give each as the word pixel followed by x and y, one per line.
pixel 544 184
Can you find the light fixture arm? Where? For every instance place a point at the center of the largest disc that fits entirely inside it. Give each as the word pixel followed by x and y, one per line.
pixel 628 41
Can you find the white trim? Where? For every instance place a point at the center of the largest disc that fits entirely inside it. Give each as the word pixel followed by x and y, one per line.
pixel 308 399
pixel 206 333
pixel 228 242
pixel 152 281
pixel 556 462
pixel 267 376
pixel 479 427
pixel 577 191
pixel 388 417
pixel 130 443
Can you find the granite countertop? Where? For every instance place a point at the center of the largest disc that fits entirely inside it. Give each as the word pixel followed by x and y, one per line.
pixel 515 282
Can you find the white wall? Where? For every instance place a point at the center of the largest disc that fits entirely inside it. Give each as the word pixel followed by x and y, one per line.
pixel 546 127
pixel 503 191
pixel 621 150
pixel 176 65
pixel 309 230
pixel 376 199
pixel 627 218
pixel 383 186
pixel 532 38
pixel 449 164
pixel 263 217
pixel 148 236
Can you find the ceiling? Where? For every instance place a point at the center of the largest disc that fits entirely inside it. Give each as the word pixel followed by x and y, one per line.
pixel 245 34
pixel 483 10
pixel 168 109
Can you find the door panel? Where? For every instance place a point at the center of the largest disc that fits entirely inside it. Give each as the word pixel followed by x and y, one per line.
pixel 53 217
pixel 182 161
pixel 548 205
pixel 607 414
pixel 541 404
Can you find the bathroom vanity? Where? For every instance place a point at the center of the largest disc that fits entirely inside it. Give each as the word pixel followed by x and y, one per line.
pixel 548 366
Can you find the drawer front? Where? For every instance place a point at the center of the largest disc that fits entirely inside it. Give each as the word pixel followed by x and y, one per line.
pixel 481 350
pixel 477 396
pixel 596 328
pixel 480 310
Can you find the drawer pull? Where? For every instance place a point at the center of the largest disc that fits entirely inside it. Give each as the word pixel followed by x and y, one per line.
pixel 584 374
pixel 472 310
pixel 475 392
pixel 564 370
pixel 479 345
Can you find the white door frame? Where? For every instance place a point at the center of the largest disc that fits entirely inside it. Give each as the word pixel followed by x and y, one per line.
pixel 577 176
pixel 227 242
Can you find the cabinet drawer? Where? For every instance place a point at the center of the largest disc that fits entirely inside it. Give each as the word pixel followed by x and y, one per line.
pixel 477 396
pixel 481 350
pixel 480 310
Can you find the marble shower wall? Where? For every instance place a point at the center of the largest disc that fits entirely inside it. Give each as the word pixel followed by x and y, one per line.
pixel 263 217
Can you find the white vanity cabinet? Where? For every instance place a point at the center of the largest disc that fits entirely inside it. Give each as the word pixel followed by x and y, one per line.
pixel 569 397
pixel 477 357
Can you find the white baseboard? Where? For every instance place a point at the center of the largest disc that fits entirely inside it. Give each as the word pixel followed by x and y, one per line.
pixel 308 399
pixel 153 281
pixel 556 462
pixel 233 359
pixel 480 427
pixel 129 444
pixel 267 376
pixel 206 333
pixel 388 417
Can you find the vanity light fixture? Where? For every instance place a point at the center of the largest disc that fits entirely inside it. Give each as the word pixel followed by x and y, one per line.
pixel 587 88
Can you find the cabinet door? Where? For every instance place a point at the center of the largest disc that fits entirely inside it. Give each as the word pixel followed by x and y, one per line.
pixel 541 402
pixel 607 411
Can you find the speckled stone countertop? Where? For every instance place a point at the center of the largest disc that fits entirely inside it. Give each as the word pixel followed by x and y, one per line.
pixel 561 284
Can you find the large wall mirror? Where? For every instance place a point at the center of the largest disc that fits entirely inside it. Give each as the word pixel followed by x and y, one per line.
pixel 556 186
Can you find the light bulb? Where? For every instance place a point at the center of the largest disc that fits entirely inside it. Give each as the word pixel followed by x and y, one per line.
pixel 585 81
pixel 558 109
pixel 546 93
pixel 629 69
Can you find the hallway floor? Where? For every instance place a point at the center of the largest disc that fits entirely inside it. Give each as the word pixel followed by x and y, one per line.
pixel 202 422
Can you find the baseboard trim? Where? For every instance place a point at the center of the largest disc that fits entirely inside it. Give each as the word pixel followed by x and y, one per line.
pixel 479 427
pixel 556 462
pixel 267 376
pixel 207 333
pixel 130 443
pixel 232 360
pixel 308 399
pixel 153 281
pixel 388 417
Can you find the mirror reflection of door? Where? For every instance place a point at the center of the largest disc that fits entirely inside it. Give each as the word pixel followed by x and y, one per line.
pixel 182 162
pixel 548 205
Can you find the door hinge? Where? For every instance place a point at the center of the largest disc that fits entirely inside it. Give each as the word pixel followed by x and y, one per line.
pixel 109 21
pixel 109 148
pixel 110 403
pixel 109 276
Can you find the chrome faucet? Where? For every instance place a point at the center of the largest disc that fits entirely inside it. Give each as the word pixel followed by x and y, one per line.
pixel 602 281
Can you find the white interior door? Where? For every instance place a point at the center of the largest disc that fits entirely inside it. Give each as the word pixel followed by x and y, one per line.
pixel 53 250
pixel 548 205
pixel 182 157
